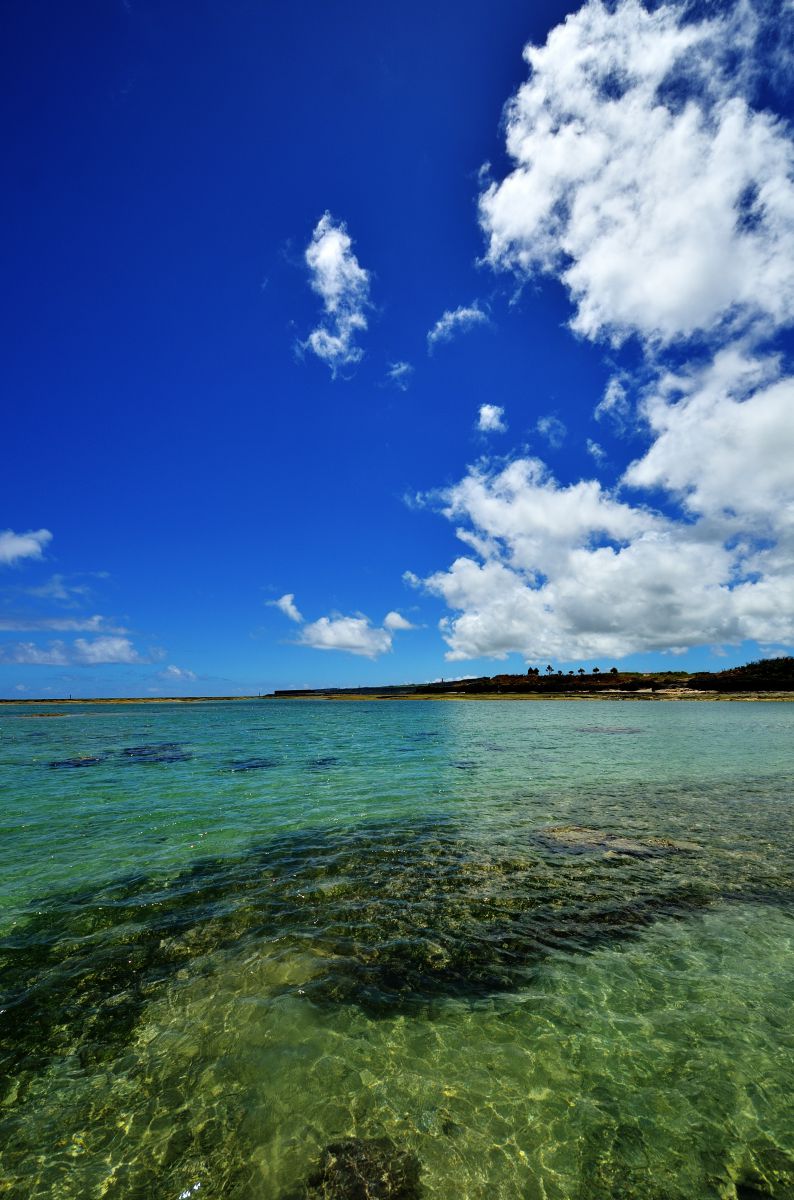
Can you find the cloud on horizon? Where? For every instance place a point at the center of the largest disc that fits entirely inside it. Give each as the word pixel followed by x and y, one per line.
pixel 79 653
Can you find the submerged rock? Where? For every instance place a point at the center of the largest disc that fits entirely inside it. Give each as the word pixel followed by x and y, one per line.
pixel 364 1169
pixel 81 760
pixel 578 839
pixel 163 752
pixel 253 764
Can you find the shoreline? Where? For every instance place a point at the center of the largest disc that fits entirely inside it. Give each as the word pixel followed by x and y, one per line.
pixel 612 696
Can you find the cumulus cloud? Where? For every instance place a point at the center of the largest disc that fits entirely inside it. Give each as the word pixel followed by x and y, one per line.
pixel 343 285
pixel 395 621
pixel 644 179
pixel 286 604
pixel 553 430
pixel 455 321
pixel 491 419
pixel 573 572
pixel 399 373
pixel 354 634
pixel 81 652
pixel 14 547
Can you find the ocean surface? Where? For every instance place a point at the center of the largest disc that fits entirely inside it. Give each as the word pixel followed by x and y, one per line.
pixel 270 950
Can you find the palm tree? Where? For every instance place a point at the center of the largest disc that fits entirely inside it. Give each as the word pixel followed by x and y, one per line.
pixel 582 671
pixel 596 670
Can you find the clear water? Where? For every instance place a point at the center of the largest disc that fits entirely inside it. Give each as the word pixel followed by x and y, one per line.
pixel 545 949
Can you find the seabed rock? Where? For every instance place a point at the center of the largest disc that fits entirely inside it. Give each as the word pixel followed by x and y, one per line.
pixel 578 839
pixel 364 1169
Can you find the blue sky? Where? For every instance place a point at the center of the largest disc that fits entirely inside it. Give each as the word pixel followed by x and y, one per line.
pixel 202 197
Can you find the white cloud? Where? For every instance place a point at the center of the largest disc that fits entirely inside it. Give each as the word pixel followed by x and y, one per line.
pixel 643 178
pixel 396 621
pixel 553 430
pixel 596 451
pixel 491 419
pixel 16 546
pixel 724 442
pixel 174 674
pixel 399 373
pixel 287 605
pixel 95 624
pixel 106 650
pixel 81 652
pixel 614 405
pixel 354 634
pixel 455 321
pixel 343 285
pixel 574 572
pixel 57 588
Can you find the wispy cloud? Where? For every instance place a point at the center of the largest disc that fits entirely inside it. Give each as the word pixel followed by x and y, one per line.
pixel 399 374
pixel 343 285
pixel 491 419
pixel 24 624
pixel 174 674
pixel 14 547
pixel 456 321
pixel 58 588
pixel 553 430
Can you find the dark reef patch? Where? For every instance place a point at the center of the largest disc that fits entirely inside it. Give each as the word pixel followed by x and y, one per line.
pixel 80 760
pixel 162 752
pixel 322 763
pixel 363 1169
pixel 402 917
pixel 254 764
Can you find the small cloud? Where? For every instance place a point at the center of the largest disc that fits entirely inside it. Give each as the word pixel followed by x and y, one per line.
pixel 286 604
pixel 343 284
pixel 553 430
pixel 490 419
pixel 395 621
pixel 614 405
pixel 399 373
pixel 16 546
pixel 454 321
pixel 22 687
pixel 411 579
pixel 57 588
pixel 177 675
pixel 596 451
pixel 353 634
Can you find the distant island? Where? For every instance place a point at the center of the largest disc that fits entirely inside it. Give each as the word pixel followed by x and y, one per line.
pixel 768 677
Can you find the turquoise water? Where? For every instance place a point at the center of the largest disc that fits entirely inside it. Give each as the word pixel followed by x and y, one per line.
pixel 513 949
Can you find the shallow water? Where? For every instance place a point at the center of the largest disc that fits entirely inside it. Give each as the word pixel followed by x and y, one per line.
pixel 545 949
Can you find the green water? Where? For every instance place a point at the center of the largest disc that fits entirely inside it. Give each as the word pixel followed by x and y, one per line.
pixel 545 949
